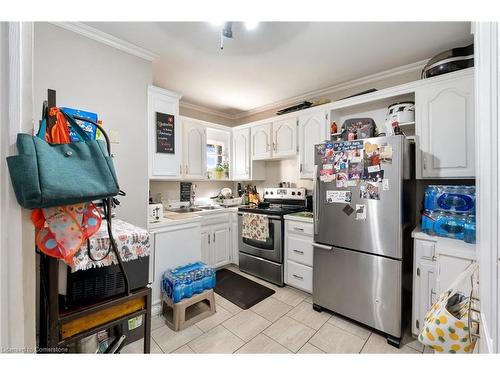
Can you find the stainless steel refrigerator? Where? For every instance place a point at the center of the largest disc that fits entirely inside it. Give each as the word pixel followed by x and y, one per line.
pixel 359 228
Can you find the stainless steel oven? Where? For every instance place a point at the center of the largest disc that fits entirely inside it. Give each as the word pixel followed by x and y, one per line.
pixel 264 259
pixel 271 248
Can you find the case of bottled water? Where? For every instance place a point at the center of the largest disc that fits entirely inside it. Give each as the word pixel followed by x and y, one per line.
pixel 449 211
pixel 185 281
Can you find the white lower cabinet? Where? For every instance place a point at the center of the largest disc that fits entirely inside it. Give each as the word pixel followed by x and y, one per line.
pixel 300 249
pixel 174 245
pixel 216 241
pixel 221 244
pixel 437 262
pixel 298 253
pixel 299 276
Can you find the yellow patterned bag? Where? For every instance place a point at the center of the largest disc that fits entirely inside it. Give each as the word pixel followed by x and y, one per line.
pixel 447 327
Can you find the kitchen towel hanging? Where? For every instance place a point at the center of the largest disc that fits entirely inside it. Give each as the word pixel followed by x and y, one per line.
pixel 255 227
pixel 48 175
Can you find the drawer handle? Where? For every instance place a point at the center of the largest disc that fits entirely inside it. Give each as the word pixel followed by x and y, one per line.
pixel 298 277
pixel 299 229
pixel 298 252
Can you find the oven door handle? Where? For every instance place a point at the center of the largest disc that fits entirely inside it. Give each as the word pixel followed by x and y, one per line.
pixel 268 216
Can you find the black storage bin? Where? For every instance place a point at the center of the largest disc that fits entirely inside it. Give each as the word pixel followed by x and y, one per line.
pixel 100 283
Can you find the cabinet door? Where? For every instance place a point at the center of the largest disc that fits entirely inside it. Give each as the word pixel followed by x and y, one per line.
pixel 195 150
pixel 235 256
pixel 426 278
pixel 163 165
pixel 312 130
pixel 445 128
pixel 206 243
pixel 261 141
pixel 241 154
pixel 449 268
pixel 221 245
pixel 167 254
pixel 284 138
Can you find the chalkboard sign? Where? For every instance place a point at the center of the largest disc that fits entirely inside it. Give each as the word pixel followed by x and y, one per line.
pixel 165 135
pixel 185 191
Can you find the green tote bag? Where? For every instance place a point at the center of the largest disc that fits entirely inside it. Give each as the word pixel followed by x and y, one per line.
pixel 47 175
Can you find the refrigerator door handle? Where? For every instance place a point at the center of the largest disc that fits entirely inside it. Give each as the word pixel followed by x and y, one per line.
pixel 315 200
pixel 323 247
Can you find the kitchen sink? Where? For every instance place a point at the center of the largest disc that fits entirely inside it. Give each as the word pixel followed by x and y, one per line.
pixel 210 207
pixel 183 210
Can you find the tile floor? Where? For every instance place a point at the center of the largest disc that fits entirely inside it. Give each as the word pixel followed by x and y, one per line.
pixel 282 323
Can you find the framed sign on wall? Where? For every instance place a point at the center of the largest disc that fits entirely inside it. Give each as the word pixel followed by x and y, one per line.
pixel 165 133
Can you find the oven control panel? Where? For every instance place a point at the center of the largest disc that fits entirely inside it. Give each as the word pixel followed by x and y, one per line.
pixel 285 193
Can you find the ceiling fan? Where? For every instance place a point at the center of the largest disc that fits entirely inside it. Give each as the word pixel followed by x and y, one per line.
pixel 227 31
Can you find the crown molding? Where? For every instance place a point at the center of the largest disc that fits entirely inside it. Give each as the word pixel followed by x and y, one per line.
pixel 416 66
pixel 110 40
pixel 207 110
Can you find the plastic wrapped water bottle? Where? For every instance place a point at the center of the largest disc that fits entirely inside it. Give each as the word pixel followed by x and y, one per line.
pixel 470 229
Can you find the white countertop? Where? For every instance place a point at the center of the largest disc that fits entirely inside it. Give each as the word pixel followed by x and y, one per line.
pixel 448 246
pixel 189 217
pixel 296 217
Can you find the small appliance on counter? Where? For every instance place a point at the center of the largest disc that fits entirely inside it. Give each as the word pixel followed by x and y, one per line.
pixel 155 212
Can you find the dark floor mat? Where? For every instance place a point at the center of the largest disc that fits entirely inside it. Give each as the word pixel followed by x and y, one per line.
pixel 239 290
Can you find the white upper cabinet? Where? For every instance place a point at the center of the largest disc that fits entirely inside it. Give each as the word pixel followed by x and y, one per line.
pixel 241 154
pixel 164 159
pixel 445 128
pixel 195 150
pixel 261 141
pixel 274 140
pixel 284 138
pixel 313 129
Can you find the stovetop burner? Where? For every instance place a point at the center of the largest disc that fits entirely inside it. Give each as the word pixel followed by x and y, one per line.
pixel 273 209
pixel 281 201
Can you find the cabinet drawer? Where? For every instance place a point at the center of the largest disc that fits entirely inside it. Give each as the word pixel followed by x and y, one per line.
pixel 299 276
pixel 426 249
pixel 297 227
pixel 300 249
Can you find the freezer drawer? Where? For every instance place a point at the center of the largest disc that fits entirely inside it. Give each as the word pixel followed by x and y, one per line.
pixel 360 286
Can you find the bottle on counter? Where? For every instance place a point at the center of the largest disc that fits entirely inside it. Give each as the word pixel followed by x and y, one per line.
pixel 333 128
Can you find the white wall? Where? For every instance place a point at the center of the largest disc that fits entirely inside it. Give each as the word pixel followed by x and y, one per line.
pixel 17 255
pixel 286 170
pixel 93 76
pixel 169 190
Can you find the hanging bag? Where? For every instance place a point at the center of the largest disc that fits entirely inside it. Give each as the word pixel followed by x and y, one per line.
pixel 448 325
pixel 48 175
